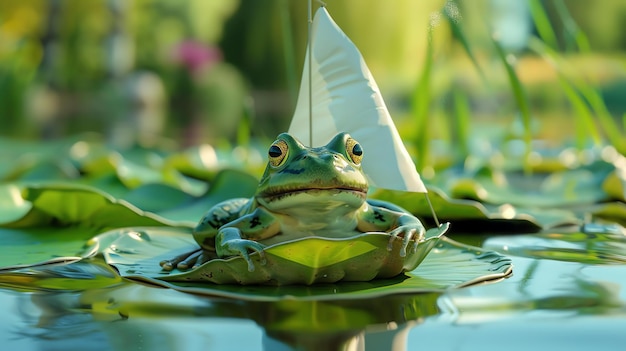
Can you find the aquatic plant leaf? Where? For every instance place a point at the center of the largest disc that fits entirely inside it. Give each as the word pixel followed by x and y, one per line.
pixel 200 162
pixel 615 185
pixel 24 247
pixel 157 197
pixel 136 253
pixel 12 205
pixel 320 254
pixel 611 211
pixel 448 265
pixel 473 215
pixel 79 275
pixel 135 174
pixel 558 189
pixel 49 160
pixel 39 223
pixel 175 204
pixel 227 184
pixel 69 204
pixel 42 224
pixel 446 208
pixel 605 246
pixel 303 261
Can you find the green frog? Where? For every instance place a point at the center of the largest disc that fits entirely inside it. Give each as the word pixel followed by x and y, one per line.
pixel 304 191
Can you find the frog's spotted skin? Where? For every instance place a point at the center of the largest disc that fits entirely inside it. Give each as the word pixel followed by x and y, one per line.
pixel 304 192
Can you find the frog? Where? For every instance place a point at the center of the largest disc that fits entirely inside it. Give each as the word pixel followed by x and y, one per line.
pixel 304 191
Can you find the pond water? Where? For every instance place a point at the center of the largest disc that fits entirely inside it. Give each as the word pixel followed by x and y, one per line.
pixel 549 303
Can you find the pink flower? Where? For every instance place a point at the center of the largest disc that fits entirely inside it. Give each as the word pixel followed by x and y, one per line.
pixel 196 55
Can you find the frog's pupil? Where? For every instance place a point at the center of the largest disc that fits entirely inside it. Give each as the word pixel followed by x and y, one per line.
pixel 275 151
pixel 357 150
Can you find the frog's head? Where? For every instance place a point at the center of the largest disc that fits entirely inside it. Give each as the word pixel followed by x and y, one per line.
pixel 299 176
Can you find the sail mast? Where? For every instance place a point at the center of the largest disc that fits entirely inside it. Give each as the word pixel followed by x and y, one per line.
pixel 309 68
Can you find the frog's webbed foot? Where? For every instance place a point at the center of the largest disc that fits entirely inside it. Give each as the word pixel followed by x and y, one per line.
pixel 242 247
pixel 408 233
pixel 191 259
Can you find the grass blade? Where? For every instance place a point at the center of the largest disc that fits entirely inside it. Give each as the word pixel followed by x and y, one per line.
pixel 520 98
pixel 462 118
pixel 585 124
pixel 572 30
pixel 452 15
pixel 542 23
pixel 420 107
pixel 289 52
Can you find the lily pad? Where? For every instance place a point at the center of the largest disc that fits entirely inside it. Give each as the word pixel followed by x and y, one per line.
pixel 66 204
pixel 566 188
pixel 448 265
pixel 52 223
pixel 598 245
pixel 307 260
pixel 79 275
pixel 470 214
pixel 26 247
pixel 136 253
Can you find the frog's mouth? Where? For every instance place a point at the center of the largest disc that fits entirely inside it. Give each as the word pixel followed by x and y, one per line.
pixel 314 192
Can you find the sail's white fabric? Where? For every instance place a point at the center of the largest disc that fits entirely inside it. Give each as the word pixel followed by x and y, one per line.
pixel 347 99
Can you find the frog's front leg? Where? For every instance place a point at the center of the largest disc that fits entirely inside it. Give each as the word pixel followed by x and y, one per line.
pixel 240 237
pixel 204 234
pixel 408 228
pixel 387 217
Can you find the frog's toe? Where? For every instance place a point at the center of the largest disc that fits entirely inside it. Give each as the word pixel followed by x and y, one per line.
pixel 166 265
pixel 190 261
pixel 170 264
pixel 407 234
pixel 251 267
pixel 202 258
pixel 246 255
pixel 242 247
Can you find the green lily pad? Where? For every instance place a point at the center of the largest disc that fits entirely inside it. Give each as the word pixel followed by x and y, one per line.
pixel 307 260
pixel 25 247
pixel 448 265
pixel 599 245
pixel 227 184
pixel 610 211
pixel 136 253
pixel 566 188
pixel 472 215
pixel 78 275
pixel 52 223
pixel 66 204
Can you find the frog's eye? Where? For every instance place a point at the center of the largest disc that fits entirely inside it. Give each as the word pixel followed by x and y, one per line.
pixel 354 150
pixel 277 153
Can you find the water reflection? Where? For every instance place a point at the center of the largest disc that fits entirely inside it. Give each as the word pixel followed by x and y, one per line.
pixel 362 324
pixel 132 316
pixel 50 321
pixel 559 301
pixel 594 245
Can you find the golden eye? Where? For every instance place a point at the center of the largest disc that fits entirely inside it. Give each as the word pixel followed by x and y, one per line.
pixel 277 153
pixel 354 150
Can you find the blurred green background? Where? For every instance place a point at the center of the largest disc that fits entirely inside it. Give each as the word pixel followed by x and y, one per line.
pixel 145 72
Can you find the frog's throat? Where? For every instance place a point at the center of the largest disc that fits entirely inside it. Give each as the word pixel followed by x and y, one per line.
pixel 269 197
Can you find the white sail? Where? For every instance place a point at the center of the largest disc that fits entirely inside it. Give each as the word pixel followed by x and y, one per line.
pixel 346 99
